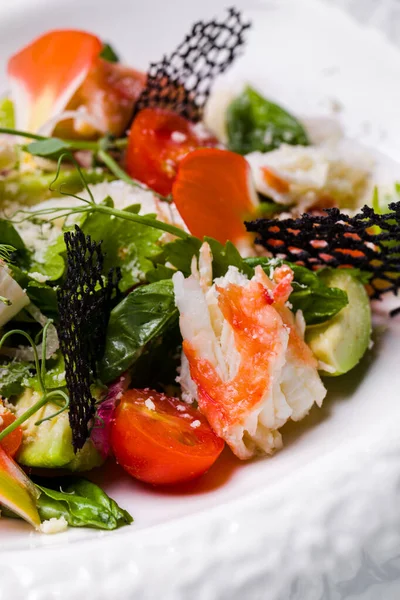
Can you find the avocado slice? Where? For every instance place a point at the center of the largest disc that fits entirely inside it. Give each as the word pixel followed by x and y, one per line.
pixel 340 343
pixel 49 445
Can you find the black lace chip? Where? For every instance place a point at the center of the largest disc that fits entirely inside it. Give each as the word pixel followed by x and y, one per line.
pixel 84 303
pixel 182 81
pixel 367 241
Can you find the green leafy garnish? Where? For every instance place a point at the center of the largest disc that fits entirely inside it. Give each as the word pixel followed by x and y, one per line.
pixel 255 123
pixel 82 504
pixel 317 301
pixel 108 53
pixel 13 378
pixel 142 317
pixel 129 248
pixel 179 253
pixel 47 148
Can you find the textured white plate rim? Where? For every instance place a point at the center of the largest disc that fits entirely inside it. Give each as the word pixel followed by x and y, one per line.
pixel 233 536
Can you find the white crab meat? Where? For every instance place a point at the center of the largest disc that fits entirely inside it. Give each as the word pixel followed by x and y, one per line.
pixel 308 176
pixel 244 356
pixel 12 292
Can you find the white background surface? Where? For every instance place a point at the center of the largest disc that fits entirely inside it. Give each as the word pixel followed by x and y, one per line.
pixel 320 521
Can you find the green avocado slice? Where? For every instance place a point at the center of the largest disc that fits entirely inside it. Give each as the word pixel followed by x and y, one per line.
pixel 49 445
pixel 340 343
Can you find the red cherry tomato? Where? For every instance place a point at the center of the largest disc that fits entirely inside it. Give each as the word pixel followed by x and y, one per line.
pixel 13 440
pixel 161 440
pixel 158 140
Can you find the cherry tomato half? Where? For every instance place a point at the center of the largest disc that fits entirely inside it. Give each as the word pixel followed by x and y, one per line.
pixel 161 440
pixel 158 140
pixel 13 440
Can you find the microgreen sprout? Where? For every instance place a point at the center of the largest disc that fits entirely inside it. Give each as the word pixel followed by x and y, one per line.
pixel 46 395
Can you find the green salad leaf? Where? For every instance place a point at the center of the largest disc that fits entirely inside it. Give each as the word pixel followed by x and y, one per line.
pixel 255 123
pixel 128 246
pixel 140 318
pixel 317 301
pixel 108 53
pixel 47 148
pixel 179 253
pixel 82 504
pixel 31 188
pixel 10 236
pixel 7 117
pixel 13 378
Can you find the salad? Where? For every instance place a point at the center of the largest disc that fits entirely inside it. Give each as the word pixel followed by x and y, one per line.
pixel 182 268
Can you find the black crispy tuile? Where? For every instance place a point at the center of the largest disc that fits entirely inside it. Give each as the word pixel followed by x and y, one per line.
pixel 182 81
pixel 337 240
pixel 84 303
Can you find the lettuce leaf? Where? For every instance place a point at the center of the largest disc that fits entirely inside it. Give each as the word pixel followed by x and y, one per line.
pixel 129 246
pixel 255 123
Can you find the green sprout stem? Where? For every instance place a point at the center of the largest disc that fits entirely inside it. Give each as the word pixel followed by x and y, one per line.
pixel 41 372
pixel 143 220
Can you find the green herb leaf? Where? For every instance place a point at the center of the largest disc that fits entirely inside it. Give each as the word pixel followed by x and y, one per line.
pixel 108 53
pixel 10 236
pixel 82 504
pixel 54 377
pixel 129 246
pixel 12 378
pixel 144 315
pixel 317 301
pixel 47 148
pixel 255 123
pixel 51 263
pixel 179 253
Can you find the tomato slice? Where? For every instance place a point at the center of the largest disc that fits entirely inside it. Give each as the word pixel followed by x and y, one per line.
pixel 214 194
pixel 158 140
pixel 161 440
pixel 13 440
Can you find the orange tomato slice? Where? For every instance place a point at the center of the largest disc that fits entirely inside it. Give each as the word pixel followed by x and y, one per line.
pixel 214 194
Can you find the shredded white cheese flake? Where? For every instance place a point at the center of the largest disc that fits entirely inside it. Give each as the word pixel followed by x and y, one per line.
pixel 53 525
pixel 195 424
pixel 150 404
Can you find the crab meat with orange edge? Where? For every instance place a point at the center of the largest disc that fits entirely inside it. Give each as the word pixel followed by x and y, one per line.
pixel 312 176
pixel 245 360
pixel 60 78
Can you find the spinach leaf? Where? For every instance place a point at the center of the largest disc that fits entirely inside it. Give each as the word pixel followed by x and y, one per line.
pixel 317 301
pixel 51 263
pixel 41 294
pixel 13 376
pixel 108 53
pixel 141 317
pixel 10 236
pixel 82 504
pixel 255 123
pixel 129 246
pixel 180 253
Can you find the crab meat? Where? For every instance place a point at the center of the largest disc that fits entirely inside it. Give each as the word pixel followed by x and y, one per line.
pixel 306 177
pixel 244 357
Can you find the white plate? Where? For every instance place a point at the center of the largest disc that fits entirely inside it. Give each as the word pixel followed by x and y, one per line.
pixel 320 520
